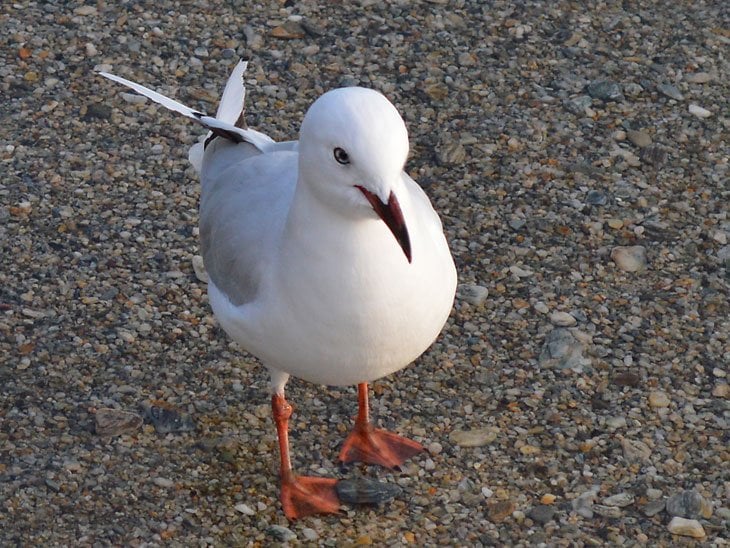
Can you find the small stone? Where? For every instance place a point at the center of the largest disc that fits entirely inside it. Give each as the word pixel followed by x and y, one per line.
pixel 670 91
pixel 163 482
pixel 619 499
pixel 578 105
pixel 541 307
pixel 85 10
pixel 548 499
pixel 290 30
pixel 310 534
pixel 596 197
pixel 562 350
pixel 437 91
pixel 653 494
pixel 689 504
pixel 653 508
pixel 133 98
pixel 614 423
pixel 91 50
pixel 199 269
pixel 699 111
pixel 607 511
pixel 449 154
pixel 364 491
pixel 114 422
pixel 541 513
pixel 654 155
pixel 605 90
pixel 520 272
pixel 562 319
pixel 253 39
pixel 698 78
pixel 627 379
pixel 658 398
pixel 686 527
pixel 473 438
pixel 244 509
pixel 630 258
pixel 583 504
pixel 615 223
pixel 720 236
pixel 721 390
pixel 281 533
pixel 528 450
pixel 165 418
pixel 639 138
pixel 499 511
pixel 635 450
pixel 473 294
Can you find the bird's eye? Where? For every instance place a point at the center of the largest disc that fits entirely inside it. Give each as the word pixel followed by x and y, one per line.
pixel 341 156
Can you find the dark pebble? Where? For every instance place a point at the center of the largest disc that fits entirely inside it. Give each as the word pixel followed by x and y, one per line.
pixel 605 90
pixel 541 513
pixel 167 419
pixel 596 197
pixel 364 491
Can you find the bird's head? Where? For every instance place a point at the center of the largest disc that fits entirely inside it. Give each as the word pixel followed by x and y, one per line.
pixel 353 146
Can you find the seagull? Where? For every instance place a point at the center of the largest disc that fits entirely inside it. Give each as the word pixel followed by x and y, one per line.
pixel 325 259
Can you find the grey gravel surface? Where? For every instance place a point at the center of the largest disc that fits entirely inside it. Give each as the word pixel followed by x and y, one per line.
pixel 578 154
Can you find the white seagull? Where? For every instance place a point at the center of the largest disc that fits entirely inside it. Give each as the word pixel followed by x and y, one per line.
pixel 326 260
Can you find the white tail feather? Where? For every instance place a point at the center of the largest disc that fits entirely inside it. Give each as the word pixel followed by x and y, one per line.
pixel 229 110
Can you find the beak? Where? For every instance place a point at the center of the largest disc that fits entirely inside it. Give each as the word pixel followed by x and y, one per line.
pixel 392 216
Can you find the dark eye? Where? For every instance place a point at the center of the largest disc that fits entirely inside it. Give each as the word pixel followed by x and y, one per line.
pixel 341 156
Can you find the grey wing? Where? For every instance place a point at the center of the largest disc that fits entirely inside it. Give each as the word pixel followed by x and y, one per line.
pixel 245 199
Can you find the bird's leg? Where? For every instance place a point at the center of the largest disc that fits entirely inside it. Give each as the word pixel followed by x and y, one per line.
pixel 374 446
pixel 300 495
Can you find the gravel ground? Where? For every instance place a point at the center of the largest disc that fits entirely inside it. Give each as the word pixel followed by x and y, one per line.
pixel 578 154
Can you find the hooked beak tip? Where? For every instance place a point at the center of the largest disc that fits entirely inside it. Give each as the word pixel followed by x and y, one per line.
pixel 392 216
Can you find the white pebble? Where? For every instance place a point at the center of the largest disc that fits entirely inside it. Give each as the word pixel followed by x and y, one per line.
pixel 244 509
pixel 699 111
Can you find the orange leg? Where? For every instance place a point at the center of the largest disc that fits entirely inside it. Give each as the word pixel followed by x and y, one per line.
pixel 300 495
pixel 374 446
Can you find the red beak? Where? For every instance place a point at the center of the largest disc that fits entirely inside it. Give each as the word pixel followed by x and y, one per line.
pixel 392 216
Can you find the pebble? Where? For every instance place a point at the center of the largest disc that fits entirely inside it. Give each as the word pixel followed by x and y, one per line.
pixel 199 268
pixel 658 399
pixel 500 510
pixel 473 438
pixel 689 504
pixel 163 482
pixel 245 509
pixel 639 138
pixel 562 319
pixel 310 534
pixel 670 91
pixel 562 350
pixel 133 98
pixel 281 533
pixel 167 419
pixel 473 294
pixel 699 111
pixel 596 197
pixel 607 511
pixel 583 504
pixel 686 527
pixel 605 90
pixel 541 513
pixel 366 491
pixel 578 105
pixel 619 499
pixel 653 507
pixel 115 422
pixel 653 494
pixel 721 390
pixel 635 450
pixel 630 258
pixel 698 78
